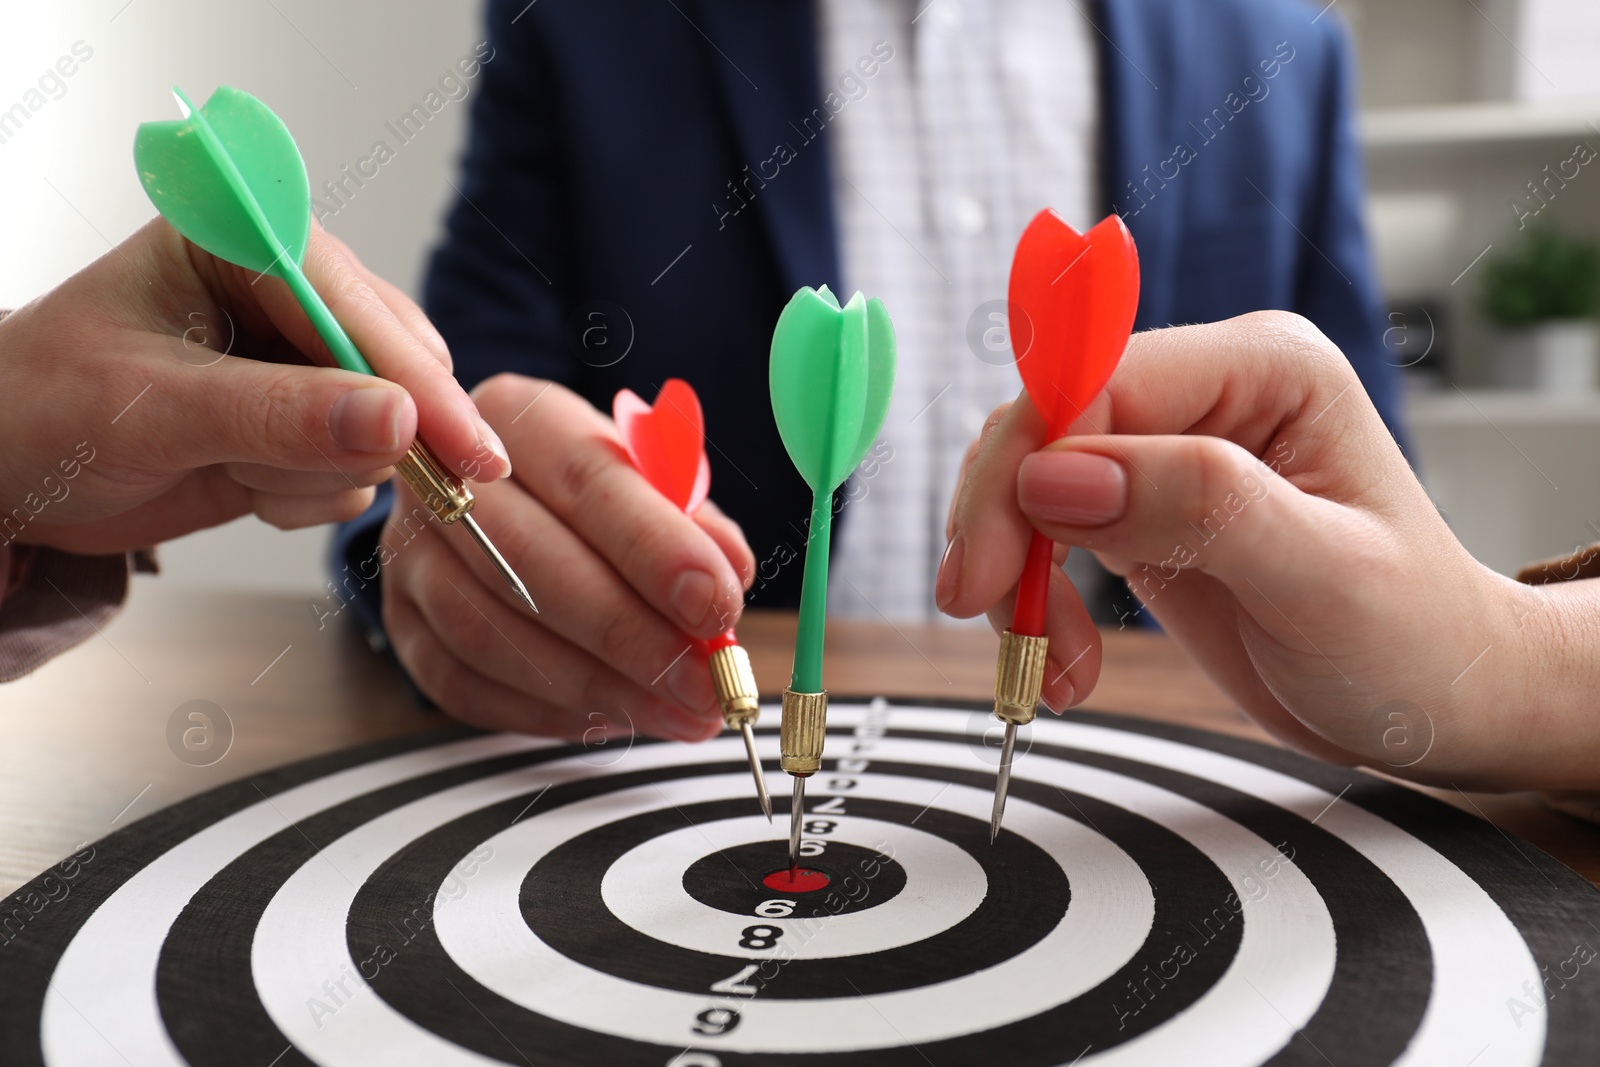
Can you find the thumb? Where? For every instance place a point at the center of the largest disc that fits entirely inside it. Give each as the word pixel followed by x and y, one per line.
pixel 1182 502
pixel 291 417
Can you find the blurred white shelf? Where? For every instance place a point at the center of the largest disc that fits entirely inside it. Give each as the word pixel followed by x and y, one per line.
pixel 1451 408
pixel 1478 125
pixel 1513 473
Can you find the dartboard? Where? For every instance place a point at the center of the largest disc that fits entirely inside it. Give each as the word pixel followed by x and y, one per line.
pixel 1159 895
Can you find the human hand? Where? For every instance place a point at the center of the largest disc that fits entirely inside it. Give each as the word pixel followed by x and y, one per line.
pixel 622 578
pixel 1238 477
pixel 161 390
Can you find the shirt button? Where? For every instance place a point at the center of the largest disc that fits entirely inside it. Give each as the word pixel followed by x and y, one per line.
pixel 968 214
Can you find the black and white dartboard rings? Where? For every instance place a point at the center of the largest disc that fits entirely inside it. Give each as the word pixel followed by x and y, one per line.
pixel 1158 896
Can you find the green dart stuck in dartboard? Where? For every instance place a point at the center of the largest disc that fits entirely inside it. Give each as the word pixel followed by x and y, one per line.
pixel 229 177
pixel 831 376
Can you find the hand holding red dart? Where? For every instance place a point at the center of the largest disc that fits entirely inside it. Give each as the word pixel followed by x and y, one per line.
pixel 1072 301
pixel 666 442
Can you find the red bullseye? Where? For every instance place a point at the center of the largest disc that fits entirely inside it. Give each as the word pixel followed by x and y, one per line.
pixel 796 881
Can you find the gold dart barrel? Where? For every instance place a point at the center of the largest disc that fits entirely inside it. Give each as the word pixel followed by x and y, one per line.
pixel 740 701
pixel 1019 677
pixel 800 736
pixel 450 501
pixel 444 494
pixel 735 683
pixel 1018 683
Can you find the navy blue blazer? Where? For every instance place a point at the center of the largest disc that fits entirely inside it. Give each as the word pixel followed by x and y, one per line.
pixel 594 242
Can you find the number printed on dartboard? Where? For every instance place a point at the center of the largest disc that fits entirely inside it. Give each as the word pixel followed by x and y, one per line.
pixel 763 940
pixel 850 874
pixel 814 845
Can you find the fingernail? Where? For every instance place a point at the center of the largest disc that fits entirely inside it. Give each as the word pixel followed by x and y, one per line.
pixel 949 580
pixel 691 598
pixel 689 682
pixel 1072 488
pixel 367 420
pixel 487 438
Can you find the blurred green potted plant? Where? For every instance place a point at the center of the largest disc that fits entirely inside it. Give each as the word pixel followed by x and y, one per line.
pixel 1544 296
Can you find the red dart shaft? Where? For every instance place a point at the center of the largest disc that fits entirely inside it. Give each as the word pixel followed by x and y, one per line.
pixel 1034 588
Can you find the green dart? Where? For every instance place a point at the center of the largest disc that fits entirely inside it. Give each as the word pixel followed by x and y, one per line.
pixel 831 375
pixel 229 177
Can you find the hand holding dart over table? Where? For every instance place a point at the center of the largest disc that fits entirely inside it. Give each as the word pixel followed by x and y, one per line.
pixel 229 178
pixel 666 442
pixel 1072 301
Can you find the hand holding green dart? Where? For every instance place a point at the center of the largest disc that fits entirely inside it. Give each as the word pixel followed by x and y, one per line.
pixel 229 177
pixel 831 376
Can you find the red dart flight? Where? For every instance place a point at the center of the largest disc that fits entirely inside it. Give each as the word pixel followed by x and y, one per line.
pixel 1072 301
pixel 667 442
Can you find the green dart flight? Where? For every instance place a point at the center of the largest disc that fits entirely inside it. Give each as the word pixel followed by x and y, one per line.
pixel 229 177
pixel 831 376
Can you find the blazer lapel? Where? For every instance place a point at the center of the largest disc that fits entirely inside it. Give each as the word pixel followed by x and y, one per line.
pixel 765 55
pixel 1141 82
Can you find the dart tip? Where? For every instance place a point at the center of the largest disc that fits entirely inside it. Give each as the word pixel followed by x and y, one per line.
pixel 998 813
pixel 755 769
pixel 522 591
pixel 508 575
pixel 518 588
pixel 1002 782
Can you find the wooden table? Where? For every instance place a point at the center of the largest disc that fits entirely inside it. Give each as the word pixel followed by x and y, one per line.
pixel 86 738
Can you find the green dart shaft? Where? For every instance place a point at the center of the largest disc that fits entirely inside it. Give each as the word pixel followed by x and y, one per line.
pixel 327 327
pixel 807 674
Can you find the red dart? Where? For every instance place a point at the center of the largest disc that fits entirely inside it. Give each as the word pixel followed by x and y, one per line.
pixel 1072 301
pixel 666 442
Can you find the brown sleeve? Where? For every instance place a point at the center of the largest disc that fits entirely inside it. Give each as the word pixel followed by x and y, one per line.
pixel 50 601
pixel 58 601
pixel 1582 564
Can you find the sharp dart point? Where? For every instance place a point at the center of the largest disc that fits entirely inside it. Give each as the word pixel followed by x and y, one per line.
pixel 755 769
pixel 1002 782
pixel 499 561
pixel 797 814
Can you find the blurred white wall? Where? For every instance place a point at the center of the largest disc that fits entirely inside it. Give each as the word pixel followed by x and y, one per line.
pixel 335 72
